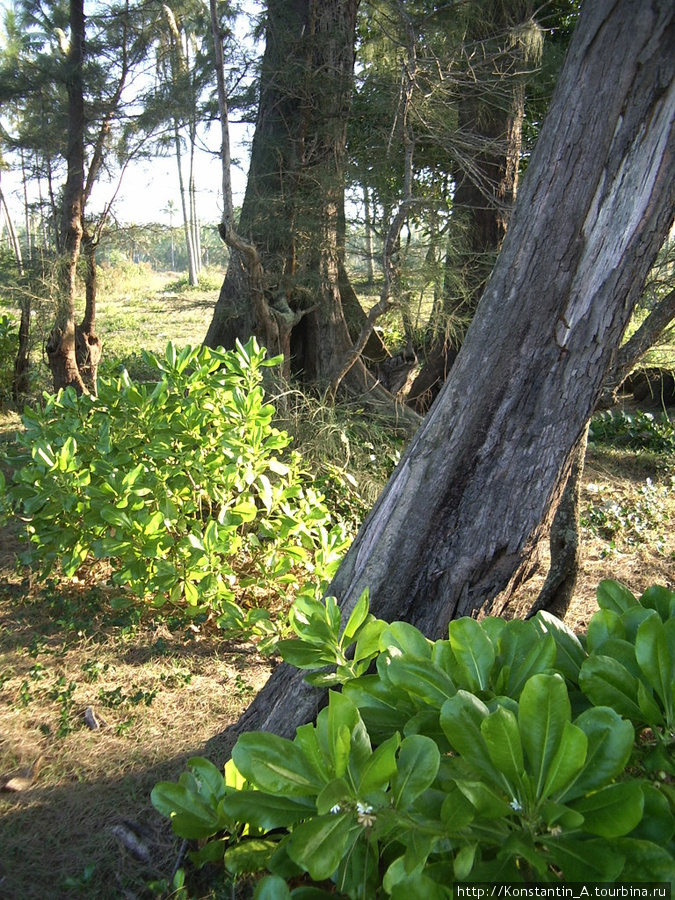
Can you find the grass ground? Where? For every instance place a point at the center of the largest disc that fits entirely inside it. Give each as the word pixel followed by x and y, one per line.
pixel 77 819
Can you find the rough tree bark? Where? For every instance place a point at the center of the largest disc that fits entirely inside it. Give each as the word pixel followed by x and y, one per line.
pixel 294 191
pixel 565 540
pixel 466 503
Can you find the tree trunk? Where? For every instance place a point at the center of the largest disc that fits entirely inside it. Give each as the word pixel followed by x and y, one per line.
pixel 565 540
pixel 465 505
pixel 13 238
pixel 193 275
pixel 294 192
pixel 21 378
pixel 368 226
pixel 88 347
pixel 61 344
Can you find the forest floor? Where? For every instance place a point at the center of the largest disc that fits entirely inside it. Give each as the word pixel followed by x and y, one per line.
pixel 75 813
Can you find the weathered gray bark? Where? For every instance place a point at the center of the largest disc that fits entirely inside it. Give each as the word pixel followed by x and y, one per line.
pixel 465 504
pixel 564 539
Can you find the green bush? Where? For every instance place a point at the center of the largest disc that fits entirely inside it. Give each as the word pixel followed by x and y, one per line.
pixel 183 484
pixel 637 431
pixel 509 752
pixel 8 348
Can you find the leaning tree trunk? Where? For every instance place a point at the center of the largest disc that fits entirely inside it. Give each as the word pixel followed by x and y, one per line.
pixel 466 503
pixel 565 539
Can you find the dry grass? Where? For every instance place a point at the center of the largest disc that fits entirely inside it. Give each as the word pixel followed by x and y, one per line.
pixel 159 691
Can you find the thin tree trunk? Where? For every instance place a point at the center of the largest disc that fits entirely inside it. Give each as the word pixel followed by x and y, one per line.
pixel 368 225
pixel 61 344
pixel 26 208
pixel 14 240
pixel 88 344
pixel 193 276
pixel 21 378
pixel 464 506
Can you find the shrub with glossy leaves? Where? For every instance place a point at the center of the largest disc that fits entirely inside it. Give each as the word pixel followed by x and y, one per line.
pixel 511 751
pixel 183 484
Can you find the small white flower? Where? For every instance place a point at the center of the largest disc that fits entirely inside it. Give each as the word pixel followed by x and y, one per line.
pixel 515 805
pixel 365 816
pixel 335 809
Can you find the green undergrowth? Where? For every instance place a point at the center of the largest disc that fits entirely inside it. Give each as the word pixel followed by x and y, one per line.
pixel 511 751
pixel 183 485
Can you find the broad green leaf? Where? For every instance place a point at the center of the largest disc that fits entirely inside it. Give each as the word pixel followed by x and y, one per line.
pixel 487 802
pixel 520 846
pixel 610 743
pixel 659 598
pixel 249 856
pixel 615 596
pixel 604 624
pixel 335 796
pixel 523 652
pixel 275 764
pixel 632 619
pixel 418 847
pixel 645 861
pixel 657 823
pixel 464 859
pixel 403 885
pixel 570 653
pixel 656 660
pixel 502 738
pixel 210 778
pixel 379 768
pixel 421 679
pixel 272 887
pixel 613 811
pixel 417 765
pixel 306 739
pixel 474 650
pixel 461 718
pixel 405 638
pixel 568 760
pixel 543 711
pixel 368 642
pixel 116 517
pixel 264 810
pixel 457 811
pixel 319 844
pixel 357 618
pixel 302 655
pixel 190 816
pixel 585 860
pixel 607 682
pixel 343 719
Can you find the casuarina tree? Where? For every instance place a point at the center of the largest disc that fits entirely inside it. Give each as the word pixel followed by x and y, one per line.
pixel 473 492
